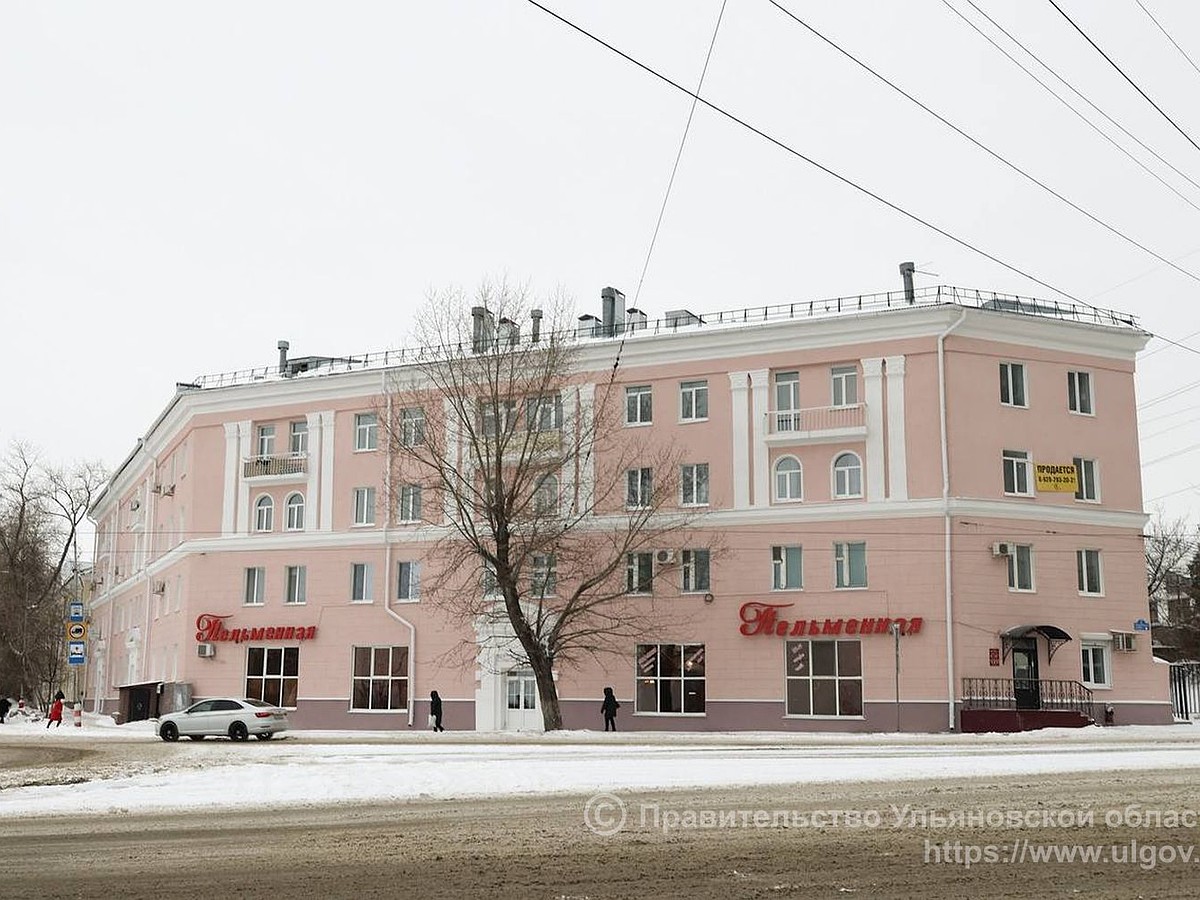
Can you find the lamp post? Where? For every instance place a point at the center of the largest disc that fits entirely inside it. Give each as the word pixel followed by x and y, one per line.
pixel 894 628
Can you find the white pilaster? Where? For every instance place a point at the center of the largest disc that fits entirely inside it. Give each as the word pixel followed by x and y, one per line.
pixel 587 465
pixel 897 451
pixel 760 388
pixel 233 465
pixel 452 457
pixel 327 439
pixel 739 386
pixel 245 430
pixel 313 500
pixel 873 376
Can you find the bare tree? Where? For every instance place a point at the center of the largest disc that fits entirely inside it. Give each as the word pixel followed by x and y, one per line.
pixel 1168 546
pixel 41 510
pixel 549 512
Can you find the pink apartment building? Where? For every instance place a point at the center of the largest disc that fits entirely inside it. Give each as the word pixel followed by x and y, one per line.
pixel 947 477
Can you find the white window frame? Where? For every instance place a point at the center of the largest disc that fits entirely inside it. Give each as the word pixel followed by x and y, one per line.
pixel 544 414
pixel 409 510
pixel 693 401
pixel 1090 648
pixel 264 514
pixel 1020 462
pixel 366 432
pixel 787 401
pixel 639 488
pixel 412 426
pixel 1088 473
pixel 363 514
pixel 1081 572
pixel 639 573
pixel 806 651
pixel 295 585
pixel 843 380
pixel 1014 381
pixel 644 676
pixel 371 678
pixel 545 496
pixel 693 484
pixel 293 519
pixel 1014 569
pixel 254 586
pixel 639 405
pixel 781 572
pixel 544 581
pixel 843 570
pixel 362 583
pixel 1075 379
pixel 266 440
pixel 408 581
pixel 838 494
pixel 797 474
pixel 697 571
pixel 298 436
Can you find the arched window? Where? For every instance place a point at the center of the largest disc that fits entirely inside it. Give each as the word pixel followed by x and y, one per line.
pixel 295 512
pixel 787 479
pixel 264 514
pixel 847 476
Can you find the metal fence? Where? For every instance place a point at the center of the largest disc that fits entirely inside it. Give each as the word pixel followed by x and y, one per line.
pixel 1185 691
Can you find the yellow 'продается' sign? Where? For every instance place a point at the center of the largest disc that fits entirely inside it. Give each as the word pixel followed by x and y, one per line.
pixel 1053 477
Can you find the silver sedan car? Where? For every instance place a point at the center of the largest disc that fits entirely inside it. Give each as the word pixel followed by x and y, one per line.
pixel 224 716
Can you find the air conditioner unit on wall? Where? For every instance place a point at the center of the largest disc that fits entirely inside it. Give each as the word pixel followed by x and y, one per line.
pixel 1124 641
pixel 206 651
pixel 1002 548
pixel 665 557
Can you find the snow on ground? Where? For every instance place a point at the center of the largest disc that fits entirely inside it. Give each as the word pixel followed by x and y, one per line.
pixel 316 768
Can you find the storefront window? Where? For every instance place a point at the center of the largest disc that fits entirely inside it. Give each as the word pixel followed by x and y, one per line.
pixel 380 678
pixel 824 678
pixel 272 674
pixel 670 678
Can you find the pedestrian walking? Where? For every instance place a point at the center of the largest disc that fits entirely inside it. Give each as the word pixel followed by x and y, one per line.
pixel 609 707
pixel 56 710
pixel 5 706
pixel 435 711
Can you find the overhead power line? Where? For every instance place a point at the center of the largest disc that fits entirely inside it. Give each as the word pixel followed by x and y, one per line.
pixel 1132 83
pixel 984 147
pixel 1167 35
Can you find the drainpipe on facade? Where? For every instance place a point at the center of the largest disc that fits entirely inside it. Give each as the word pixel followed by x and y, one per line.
pixel 387 558
pixel 151 516
pixel 941 352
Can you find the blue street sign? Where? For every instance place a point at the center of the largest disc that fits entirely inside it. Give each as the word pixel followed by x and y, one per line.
pixel 76 653
pixel 75 612
pixel 1141 625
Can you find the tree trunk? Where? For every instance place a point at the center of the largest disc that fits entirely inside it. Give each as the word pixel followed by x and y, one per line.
pixel 548 696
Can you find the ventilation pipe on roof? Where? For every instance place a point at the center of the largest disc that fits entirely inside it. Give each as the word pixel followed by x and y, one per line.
pixel 510 332
pixel 481 329
pixel 283 349
pixel 906 272
pixel 612 309
pixel 535 329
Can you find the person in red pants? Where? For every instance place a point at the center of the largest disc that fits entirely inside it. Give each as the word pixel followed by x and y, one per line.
pixel 56 710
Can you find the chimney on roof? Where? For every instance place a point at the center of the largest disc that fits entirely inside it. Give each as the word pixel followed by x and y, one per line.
pixel 510 332
pixel 481 329
pixel 906 272
pixel 612 310
pixel 535 330
pixel 283 349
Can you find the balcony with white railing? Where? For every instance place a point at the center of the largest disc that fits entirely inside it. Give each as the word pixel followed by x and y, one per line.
pixel 817 424
pixel 278 466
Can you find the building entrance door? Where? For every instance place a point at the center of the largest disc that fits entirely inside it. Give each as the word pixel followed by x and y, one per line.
pixel 521 702
pixel 1026 689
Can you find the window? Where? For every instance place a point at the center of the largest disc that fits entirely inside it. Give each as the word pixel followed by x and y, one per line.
pixel 408 580
pixel 1088 488
pixel 295 590
pixel 1087 567
pixel 1096 656
pixel 410 503
pixel 266 440
pixel 638 405
pixel 695 484
pixel 272 674
pixel 521 689
pixel 787 401
pixel 364 506
pixel 670 678
pixel 295 512
pixel 298 437
pixel 639 488
pixel 824 678
pixel 544 413
pixel 380 678
pixel 1012 384
pixel 496 418
pixel 545 496
pixel 545 575
pixel 488 581
pixel 264 514
pixel 412 427
pixel 1020 568
pixel 361 583
pixel 639 573
pixel 845 385
pixel 847 476
pixel 1079 393
pixel 789 482
pixel 787 568
pixel 366 431
pixel 850 565
pixel 695 571
pixel 256 586
pixel 1016 473
pixel 693 401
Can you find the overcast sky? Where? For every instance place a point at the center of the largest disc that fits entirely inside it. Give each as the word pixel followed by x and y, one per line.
pixel 181 185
